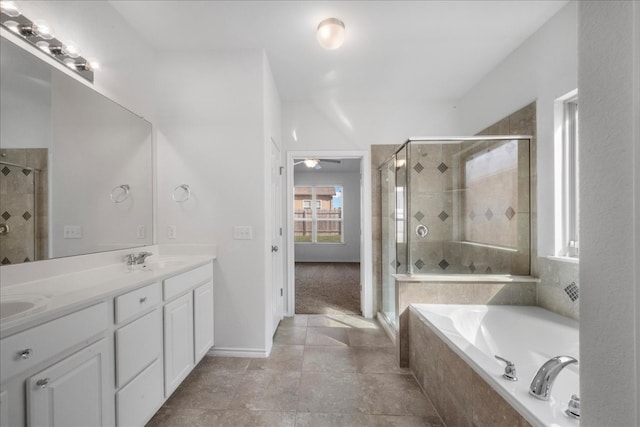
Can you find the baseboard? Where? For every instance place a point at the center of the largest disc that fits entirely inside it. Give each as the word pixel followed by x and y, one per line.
pixel 256 353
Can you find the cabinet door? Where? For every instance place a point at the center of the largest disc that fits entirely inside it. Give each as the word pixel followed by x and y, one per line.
pixel 178 341
pixel 73 392
pixel 203 319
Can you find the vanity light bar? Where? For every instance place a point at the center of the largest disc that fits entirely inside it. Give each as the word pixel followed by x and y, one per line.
pixel 38 34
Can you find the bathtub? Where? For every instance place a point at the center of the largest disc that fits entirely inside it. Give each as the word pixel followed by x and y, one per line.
pixel 526 335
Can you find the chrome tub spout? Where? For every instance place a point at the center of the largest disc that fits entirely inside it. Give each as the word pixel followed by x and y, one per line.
pixel 542 382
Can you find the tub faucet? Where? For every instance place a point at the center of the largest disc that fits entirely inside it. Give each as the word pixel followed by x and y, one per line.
pixel 543 380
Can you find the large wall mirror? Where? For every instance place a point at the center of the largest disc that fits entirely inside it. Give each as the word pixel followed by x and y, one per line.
pixel 75 167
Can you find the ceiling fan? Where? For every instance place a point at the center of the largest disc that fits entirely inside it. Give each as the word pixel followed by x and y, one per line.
pixel 314 163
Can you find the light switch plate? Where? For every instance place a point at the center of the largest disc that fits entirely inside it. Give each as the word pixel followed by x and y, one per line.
pixel 243 232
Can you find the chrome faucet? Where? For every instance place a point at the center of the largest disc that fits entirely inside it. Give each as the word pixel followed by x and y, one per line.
pixel 133 259
pixel 543 380
pixel 142 256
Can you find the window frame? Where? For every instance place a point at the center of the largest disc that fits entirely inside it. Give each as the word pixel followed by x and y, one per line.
pixel 314 215
pixel 567 212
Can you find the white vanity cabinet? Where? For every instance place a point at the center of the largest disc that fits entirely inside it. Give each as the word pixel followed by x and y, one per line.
pixel 139 377
pixel 60 372
pixel 114 360
pixel 188 323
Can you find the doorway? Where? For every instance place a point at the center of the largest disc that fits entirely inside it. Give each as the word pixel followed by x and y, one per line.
pixel 329 233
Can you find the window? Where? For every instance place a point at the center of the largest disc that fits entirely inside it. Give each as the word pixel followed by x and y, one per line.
pixel 566 174
pixel 324 223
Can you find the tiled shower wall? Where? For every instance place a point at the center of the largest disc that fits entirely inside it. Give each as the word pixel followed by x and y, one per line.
pixel 23 205
pixel 555 276
pixel 474 199
pixel 523 122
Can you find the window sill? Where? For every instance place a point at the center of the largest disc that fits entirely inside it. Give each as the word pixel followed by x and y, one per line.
pixel 572 260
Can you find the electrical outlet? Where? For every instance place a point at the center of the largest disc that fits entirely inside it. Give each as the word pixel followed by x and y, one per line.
pixel 171 231
pixel 243 232
pixel 140 232
pixel 72 232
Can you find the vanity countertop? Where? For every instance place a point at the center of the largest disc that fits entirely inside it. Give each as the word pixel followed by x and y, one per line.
pixel 62 294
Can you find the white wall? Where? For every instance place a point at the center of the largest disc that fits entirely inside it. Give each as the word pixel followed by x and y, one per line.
pixel 543 68
pixel 211 123
pixel 609 253
pixel 337 125
pixel 349 251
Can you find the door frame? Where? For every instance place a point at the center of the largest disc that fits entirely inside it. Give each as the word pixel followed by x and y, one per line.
pixel 366 254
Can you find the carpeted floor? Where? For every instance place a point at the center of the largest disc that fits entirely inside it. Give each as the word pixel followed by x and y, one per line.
pixel 327 287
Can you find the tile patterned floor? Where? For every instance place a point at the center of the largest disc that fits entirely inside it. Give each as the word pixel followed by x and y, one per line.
pixel 324 370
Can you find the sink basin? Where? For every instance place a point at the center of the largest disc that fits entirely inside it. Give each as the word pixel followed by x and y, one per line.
pixel 18 304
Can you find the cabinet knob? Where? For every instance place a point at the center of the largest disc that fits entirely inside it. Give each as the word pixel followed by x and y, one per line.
pixel 25 354
pixel 143 300
pixel 42 383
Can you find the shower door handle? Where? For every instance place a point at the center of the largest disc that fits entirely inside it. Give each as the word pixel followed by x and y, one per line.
pixel 4 229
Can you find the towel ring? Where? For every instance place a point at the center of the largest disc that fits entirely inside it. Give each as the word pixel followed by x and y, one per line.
pixel 186 190
pixel 120 196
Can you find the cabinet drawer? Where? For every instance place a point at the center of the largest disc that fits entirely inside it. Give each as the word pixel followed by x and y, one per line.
pixel 136 403
pixel 135 302
pixel 26 349
pixel 183 282
pixel 137 345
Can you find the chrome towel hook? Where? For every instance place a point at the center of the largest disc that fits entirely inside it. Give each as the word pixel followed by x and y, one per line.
pixel 183 195
pixel 120 193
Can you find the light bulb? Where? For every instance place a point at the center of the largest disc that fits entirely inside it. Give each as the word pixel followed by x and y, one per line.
pixel 93 63
pixel 13 26
pixel 70 63
pixel 41 29
pixel 331 33
pixel 70 49
pixel 9 8
pixel 44 46
pixel 311 163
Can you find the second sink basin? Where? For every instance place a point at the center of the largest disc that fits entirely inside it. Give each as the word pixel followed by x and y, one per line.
pixel 17 304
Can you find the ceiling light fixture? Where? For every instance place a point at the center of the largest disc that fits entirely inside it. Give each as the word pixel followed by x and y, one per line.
pixel 331 33
pixel 311 163
pixel 40 34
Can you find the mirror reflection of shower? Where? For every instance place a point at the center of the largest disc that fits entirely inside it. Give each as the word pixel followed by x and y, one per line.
pixel 23 205
pixel 455 206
